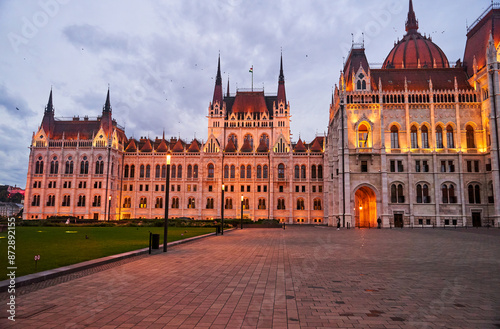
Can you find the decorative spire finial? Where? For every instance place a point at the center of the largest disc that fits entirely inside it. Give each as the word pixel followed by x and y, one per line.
pixel 411 22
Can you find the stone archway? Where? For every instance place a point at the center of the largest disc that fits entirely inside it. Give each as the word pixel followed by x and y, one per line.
pixel 365 207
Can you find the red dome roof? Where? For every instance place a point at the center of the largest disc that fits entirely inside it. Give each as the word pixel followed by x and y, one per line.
pixel 415 51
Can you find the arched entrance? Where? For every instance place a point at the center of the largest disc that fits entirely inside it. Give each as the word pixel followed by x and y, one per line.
pixel 365 205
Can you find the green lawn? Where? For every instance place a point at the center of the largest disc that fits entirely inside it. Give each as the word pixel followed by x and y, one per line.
pixel 61 246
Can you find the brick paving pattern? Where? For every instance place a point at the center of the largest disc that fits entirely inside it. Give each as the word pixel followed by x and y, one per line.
pixel 301 277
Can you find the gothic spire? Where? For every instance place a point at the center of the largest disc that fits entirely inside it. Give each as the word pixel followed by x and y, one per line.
pixel 50 106
pixel 281 84
pixel 218 87
pixel 227 95
pixel 411 22
pixel 107 105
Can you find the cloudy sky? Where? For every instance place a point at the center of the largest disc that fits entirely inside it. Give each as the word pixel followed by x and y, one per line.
pixel 160 58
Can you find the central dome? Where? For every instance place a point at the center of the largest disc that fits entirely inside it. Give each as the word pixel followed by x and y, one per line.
pixel 414 50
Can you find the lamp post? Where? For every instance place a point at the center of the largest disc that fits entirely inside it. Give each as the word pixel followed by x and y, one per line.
pixel 109 207
pixel 222 211
pixel 167 190
pixel 241 218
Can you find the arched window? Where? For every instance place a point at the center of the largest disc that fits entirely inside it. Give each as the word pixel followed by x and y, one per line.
pixel 242 172
pixel 320 172
pixel 190 171
pixel 211 170
pixel 423 193
pixel 175 203
pixel 226 171
pixel 163 171
pixel 397 194
pixel 159 202
pixel 450 137
pixel 363 135
pixel 313 172
pixel 69 167
pixel 81 201
pixel 36 201
pixel 249 171
pixel 127 203
pixel 303 172
pixel 51 201
pixel 300 204
pixel 439 137
pixel 246 204
pixel 195 171
pixel 474 193
pixel 297 171
pixel 249 138
pixel 125 171
pixel 229 203
pixel 157 171
pixel 259 172
pixel 143 203
pixel 54 166
pixel 173 171
pixel 141 171
pixel 265 138
pixel 132 171
pixel 469 134
pixel 317 204
pixel 97 201
pixel 394 137
pixel 281 204
pixel 281 171
pixel 66 201
pixel 234 138
pixel 425 137
pixel 233 171
pixel 39 166
pixel 262 204
pixel 414 137
pixel 448 193
pixel 363 85
pixel 210 203
pixel 358 85
pixel 148 171
pixel 179 171
pixel 266 172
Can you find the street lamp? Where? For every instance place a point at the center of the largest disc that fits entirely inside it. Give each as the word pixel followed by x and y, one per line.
pixel 167 190
pixel 109 207
pixel 241 218
pixel 222 211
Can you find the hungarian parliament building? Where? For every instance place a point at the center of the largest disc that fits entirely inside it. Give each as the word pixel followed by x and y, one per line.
pixel 414 143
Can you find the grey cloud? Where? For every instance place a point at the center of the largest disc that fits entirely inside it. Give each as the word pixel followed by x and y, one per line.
pixel 95 38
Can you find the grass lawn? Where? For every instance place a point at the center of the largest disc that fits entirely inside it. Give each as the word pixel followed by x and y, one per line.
pixel 61 246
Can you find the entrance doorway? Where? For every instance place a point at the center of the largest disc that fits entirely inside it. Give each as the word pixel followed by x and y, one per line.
pixel 476 219
pixel 398 220
pixel 365 203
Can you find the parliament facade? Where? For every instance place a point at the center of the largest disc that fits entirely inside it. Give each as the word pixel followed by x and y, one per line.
pixel 414 143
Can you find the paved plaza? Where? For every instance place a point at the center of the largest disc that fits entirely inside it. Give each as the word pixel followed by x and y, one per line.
pixel 301 277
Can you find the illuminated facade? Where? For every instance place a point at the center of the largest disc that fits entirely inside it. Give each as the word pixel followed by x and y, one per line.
pixel 84 167
pixel 420 142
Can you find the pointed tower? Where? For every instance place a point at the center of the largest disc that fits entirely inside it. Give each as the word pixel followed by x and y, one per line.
pixel 106 120
pixel 218 88
pixel 411 22
pixel 48 116
pixel 281 84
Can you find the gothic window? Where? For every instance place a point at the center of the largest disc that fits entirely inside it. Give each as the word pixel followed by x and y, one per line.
pixel 141 171
pixel 159 202
pixel 233 171
pixel 148 171
pixel 397 194
pixel 423 193
pixel 474 193
pixel 211 170
pixel 320 172
pixel 262 204
pixel 127 203
pixel 234 138
pixel 36 201
pixel 297 171
pixel 394 137
pixel 39 166
pixel 54 166
pixel 246 204
pixel 175 203
pixel 226 171
pixel 69 167
pixel 265 138
pixel 125 171
pixel 439 137
pixel 157 171
pixel 97 201
pixel 242 172
pixel 179 171
pixel 259 172
pixel 265 173
pixel 448 193
pixel 66 201
pixel 81 201
pixel 190 171
pixel 281 171
pixel 191 203
pixel 317 204
pixel 303 172
pixel 195 171
pixel 52 200
pixel 469 134
pixel 281 204
pixel 425 137
pixel 143 203
pixel 249 172
pixel 363 134
pixel 249 138
pixel 173 171
pixel 229 203
pixel 132 171
pixel 450 137
pixel 210 203
pixel 313 172
pixel 414 137
pixel 300 204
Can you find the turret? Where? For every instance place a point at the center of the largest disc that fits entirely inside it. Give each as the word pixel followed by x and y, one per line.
pixel 48 116
pixel 218 88
pixel 281 84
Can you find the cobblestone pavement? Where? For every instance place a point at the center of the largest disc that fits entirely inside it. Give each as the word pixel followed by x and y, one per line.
pixel 301 277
